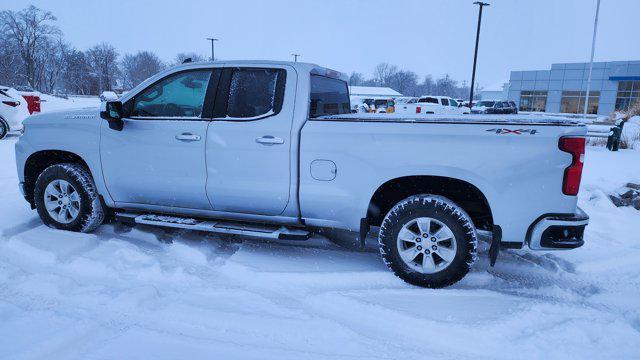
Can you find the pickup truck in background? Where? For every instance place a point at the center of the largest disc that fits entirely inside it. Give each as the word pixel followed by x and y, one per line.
pixel 439 105
pixel 270 150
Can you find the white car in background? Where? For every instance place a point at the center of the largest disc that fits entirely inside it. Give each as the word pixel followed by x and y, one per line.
pixel 441 105
pixel 13 109
pixel 108 96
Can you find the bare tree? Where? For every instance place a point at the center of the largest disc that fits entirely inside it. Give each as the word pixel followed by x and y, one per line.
pixel 103 59
pixel 30 29
pixel 356 79
pixel 404 82
pixel 446 86
pixel 188 55
pixel 138 67
pixel 383 73
pixel 53 56
pixel 11 67
pixel 77 75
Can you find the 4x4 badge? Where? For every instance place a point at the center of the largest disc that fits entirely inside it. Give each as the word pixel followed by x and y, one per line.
pixel 515 132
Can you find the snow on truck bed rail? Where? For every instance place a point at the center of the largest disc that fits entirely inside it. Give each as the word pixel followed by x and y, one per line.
pixel 457 119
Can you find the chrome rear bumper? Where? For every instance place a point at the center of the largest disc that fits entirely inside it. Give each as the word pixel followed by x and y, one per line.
pixel 559 232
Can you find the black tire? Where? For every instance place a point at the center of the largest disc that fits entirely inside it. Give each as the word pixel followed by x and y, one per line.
pixel 91 212
pixel 444 211
pixel 4 129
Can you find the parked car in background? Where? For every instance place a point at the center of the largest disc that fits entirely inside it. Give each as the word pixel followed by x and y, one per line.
pixel 31 96
pixel 108 96
pixel 13 109
pixel 495 107
pixel 441 105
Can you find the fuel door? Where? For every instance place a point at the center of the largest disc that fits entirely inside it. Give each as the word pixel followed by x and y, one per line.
pixel 323 170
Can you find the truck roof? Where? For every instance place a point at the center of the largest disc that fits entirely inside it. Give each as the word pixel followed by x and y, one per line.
pixel 299 66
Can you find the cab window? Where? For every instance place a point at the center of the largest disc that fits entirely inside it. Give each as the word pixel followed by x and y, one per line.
pixel 329 96
pixel 453 103
pixel 179 95
pixel 429 100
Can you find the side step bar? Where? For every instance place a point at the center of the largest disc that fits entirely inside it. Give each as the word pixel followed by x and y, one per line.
pixel 216 226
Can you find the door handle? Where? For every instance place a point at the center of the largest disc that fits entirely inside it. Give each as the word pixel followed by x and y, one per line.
pixel 269 140
pixel 188 137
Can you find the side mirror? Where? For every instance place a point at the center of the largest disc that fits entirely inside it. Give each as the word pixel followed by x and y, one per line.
pixel 113 114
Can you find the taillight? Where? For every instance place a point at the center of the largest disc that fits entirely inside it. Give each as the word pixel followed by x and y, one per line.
pixel 11 103
pixel 572 174
pixel 418 109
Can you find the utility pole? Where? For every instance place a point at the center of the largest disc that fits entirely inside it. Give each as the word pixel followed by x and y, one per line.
pixel 475 55
pixel 295 57
pixel 593 49
pixel 213 50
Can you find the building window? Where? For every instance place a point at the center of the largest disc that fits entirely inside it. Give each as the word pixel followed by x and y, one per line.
pixel 627 94
pixel 533 101
pixel 573 102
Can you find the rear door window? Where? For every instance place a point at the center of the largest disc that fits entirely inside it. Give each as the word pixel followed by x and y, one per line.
pixel 445 102
pixel 255 92
pixel 328 96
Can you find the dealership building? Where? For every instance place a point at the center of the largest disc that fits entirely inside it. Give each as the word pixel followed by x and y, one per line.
pixel 615 85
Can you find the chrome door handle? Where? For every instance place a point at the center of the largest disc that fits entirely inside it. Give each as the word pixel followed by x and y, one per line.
pixel 188 137
pixel 269 140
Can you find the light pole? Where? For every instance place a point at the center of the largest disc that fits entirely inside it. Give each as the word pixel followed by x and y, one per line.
pixel 593 49
pixel 213 50
pixel 475 55
pixel 295 57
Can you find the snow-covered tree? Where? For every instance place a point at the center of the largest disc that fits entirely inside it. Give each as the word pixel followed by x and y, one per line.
pixel 138 67
pixel 103 59
pixel 31 30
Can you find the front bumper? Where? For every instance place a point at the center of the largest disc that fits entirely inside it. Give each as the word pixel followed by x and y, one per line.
pixel 558 232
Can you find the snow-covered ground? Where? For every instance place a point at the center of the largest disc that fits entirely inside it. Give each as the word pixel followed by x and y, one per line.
pixel 149 293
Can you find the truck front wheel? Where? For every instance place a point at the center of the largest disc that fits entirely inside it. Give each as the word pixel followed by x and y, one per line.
pixel 66 198
pixel 428 241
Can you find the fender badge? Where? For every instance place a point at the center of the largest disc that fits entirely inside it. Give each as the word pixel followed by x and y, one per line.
pixel 514 132
pixel 79 116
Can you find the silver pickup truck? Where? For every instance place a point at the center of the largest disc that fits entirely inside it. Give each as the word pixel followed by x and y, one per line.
pixel 270 150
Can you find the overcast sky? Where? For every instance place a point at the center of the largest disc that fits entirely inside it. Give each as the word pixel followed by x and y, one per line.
pixel 428 37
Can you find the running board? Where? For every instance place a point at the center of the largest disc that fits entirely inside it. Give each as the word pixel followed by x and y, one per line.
pixel 216 226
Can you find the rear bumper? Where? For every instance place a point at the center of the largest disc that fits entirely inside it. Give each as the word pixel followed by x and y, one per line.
pixel 559 232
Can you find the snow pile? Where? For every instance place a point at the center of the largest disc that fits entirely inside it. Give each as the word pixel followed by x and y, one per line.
pixel 151 293
pixel 53 103
pixel 631 132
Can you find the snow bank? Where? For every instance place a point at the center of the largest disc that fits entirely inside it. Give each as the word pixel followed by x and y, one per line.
pixel 52 103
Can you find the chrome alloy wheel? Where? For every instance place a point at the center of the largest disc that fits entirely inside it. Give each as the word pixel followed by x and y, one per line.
pixel 426 245
pixel 62 201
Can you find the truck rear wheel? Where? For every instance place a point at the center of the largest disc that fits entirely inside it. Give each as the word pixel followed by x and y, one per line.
pixel 428 241
pixel 66 198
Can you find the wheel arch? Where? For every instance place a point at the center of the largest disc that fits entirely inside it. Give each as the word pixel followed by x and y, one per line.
pixel 40 160
pixel 466 195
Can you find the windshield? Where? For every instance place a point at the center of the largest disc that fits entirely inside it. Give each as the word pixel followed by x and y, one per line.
pixel 485 103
